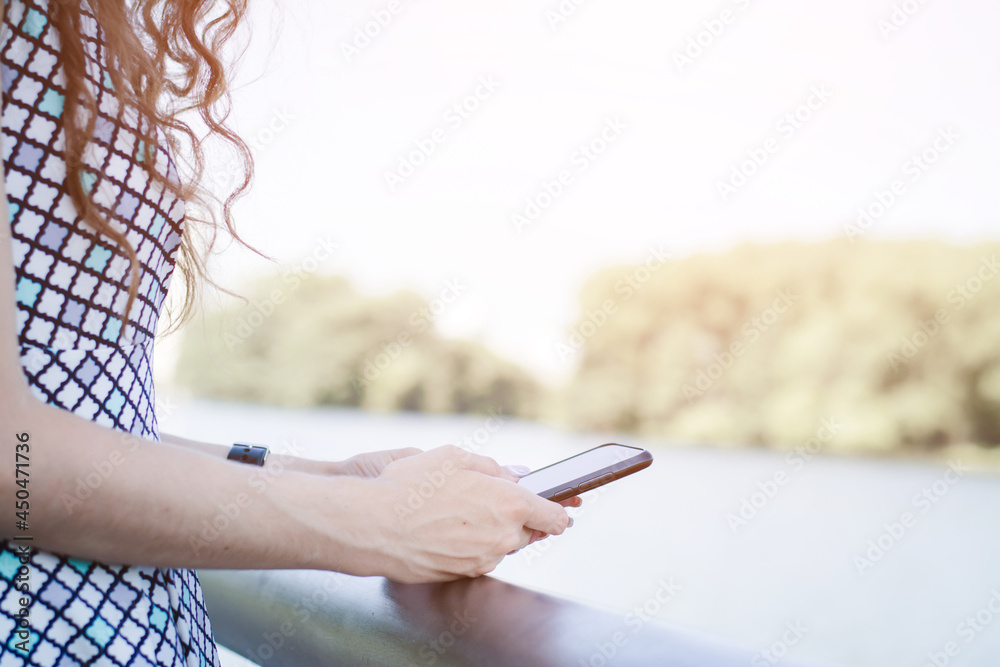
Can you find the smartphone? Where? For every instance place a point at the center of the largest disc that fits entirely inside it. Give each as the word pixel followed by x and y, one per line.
pixel 588 470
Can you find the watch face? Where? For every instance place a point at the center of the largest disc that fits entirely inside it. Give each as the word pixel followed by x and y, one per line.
pixel 254 455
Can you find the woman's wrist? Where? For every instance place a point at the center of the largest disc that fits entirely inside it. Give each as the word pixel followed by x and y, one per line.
pixel 278 462
pixel 275 461
pixel 329 530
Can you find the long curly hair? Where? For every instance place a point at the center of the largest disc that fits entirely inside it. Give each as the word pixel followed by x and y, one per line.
pixel 165 61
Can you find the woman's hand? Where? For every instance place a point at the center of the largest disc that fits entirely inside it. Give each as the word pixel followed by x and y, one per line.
pixel 447 513
pixel 371 464
pixel 368 464
pixel 575 501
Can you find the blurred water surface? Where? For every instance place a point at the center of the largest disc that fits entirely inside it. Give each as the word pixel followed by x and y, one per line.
pixel 663 545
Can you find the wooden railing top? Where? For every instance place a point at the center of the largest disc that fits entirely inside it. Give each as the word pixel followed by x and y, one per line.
pixel 308 618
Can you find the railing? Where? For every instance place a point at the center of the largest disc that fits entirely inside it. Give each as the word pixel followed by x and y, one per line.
pixel 306 618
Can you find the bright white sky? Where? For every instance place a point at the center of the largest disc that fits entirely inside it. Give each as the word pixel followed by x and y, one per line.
pixel 657 182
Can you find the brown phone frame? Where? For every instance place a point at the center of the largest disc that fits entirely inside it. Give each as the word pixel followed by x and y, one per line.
pixel 642 459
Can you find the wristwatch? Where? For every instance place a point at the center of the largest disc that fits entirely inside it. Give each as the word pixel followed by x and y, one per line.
pixel 254 455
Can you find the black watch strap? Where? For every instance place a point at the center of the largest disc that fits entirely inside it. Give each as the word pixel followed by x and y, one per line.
pixel 254 455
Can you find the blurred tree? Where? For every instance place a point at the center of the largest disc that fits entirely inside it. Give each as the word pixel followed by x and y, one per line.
pixel 898 341
pixel 315 341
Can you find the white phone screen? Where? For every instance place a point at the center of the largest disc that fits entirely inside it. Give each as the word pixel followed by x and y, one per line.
pixel 575 467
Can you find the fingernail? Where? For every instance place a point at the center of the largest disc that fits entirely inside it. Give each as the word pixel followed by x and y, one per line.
pixel 570 523
pixel 520 471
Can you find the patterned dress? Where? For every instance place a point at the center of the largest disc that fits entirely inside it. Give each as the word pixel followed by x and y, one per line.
pixel 71 284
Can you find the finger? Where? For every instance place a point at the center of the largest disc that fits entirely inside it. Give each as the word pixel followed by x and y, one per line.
pixel 537 535
pixel 575 501
pixel 546 516
pixel 518 471
pixel 484 465
pixel 402 453
pixel 527 537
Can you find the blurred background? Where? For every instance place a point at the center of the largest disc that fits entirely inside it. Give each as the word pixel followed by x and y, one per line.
pixel 757 238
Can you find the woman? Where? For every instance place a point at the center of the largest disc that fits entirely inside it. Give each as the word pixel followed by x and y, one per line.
pixel 102 516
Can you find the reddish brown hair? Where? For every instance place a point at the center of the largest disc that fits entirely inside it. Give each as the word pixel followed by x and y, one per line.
pixel 164 60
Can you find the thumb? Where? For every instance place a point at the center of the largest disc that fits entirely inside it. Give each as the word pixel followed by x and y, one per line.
pixel 546 516
pixel 487 466
pixel 396 454
pixel 517 471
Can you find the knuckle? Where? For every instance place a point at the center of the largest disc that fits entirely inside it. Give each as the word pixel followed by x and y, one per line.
pixel 523 506
pixel 484 568
pixel 510 543
pixel 561 522
pixel 452 451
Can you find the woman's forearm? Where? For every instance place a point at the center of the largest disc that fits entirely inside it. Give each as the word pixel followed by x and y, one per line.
pixel 209 448
pixel 276 460
pixel 99 494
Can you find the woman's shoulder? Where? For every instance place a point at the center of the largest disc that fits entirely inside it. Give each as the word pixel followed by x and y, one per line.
pixel 72 282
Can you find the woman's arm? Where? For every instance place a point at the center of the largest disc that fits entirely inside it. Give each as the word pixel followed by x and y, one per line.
pixel 168 505
pixel 286 462
pixel 212 449
pixel 367 464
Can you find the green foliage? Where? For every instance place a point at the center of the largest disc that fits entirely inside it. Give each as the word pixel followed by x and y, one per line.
pixel 320 343
pixel 898 341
